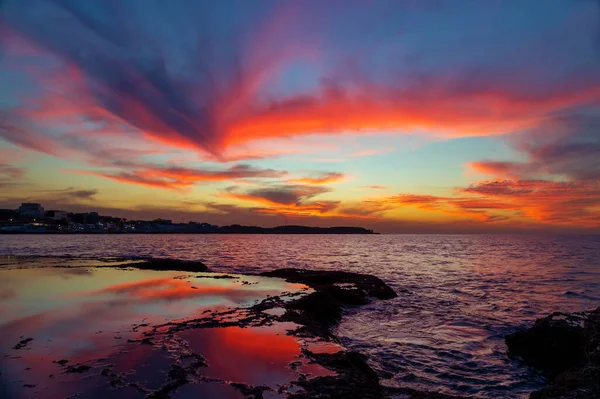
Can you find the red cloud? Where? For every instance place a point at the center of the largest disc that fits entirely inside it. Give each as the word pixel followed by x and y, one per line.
pixel 213 119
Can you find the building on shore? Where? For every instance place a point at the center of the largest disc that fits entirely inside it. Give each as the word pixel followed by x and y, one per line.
pixel 56 215
pixel 31 210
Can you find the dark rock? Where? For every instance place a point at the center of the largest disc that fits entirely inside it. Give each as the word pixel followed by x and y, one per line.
pixel 320 307
pixel 178 374
pixel 409 393
pixel 567 348
pixel 62 362
pixel 22 343
pixel 355 379
pixel 349 288
pixel 318 311
pixel 82 368
pixel 250 391
pixel 170 264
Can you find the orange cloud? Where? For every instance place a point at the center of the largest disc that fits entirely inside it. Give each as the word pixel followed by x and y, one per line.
pixel 533 201
pixel 320 178
pixel 181 177
pixel 374 108
pixel 568 203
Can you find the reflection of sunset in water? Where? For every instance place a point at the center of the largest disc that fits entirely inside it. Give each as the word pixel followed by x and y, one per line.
pixel 256 356
pixel 98 318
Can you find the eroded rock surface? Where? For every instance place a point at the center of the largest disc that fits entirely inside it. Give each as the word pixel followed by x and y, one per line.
pixel 567 348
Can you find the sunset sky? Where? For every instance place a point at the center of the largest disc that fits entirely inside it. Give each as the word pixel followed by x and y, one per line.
pixel 402 116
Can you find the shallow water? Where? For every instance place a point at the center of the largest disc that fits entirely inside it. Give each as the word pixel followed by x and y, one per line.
pixel 100 332
pixel 458 294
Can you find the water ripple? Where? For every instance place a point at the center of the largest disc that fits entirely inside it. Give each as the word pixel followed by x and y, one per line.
pixel 458 294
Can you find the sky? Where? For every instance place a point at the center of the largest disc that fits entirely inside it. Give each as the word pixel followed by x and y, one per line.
pixel 403 116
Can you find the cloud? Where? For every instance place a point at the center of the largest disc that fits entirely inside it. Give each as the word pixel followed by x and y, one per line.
pixel 565 146
pixel 11 176
pixel 571 203
pixel 74 193
pixel 374 187
pixel 558 180
pixel 67 196
pixel 212 88
pixel 286 199
pixel 289 194
pixel 11 172
pixel 320 178
pixel 575 204
pixel 116 87
pixel 174 177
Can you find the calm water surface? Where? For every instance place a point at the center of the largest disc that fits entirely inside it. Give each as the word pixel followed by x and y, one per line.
pixel 127 327
pixel 458 295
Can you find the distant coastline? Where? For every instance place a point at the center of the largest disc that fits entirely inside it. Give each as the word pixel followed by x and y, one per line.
pixel 32 218
pixel 233 229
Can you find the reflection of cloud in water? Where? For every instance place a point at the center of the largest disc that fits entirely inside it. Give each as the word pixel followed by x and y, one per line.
pixel 92 316
pixel 113 300
pixel 255 356
pixel 7 293
pixel 173 289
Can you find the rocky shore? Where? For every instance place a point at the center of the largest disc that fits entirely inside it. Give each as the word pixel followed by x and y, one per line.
pixel 566 347
pixel 315 314
pixel 281 346
pixel 269 335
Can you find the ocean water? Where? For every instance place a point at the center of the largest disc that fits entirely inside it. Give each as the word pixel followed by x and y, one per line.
pixel 458 295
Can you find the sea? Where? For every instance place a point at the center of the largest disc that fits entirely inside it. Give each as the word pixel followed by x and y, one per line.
pixel 458 295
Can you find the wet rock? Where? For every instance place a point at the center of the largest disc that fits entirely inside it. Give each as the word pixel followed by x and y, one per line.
pixel 170 264
pixel 22 343
pixel 177 377
pixel 82 368
pixel 567 348
pixel 250 391
pixel 318 311
pixel 355 379
pixel 409 393
pixel 349 288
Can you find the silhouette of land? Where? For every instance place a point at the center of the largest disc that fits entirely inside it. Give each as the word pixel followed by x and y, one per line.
pixel 33 218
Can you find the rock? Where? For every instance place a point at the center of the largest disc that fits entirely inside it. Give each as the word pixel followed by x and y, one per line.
pixel 355 379
pixel 566 347
pixel 22 343
pixel 77 369
pixel 349 288
pixel 318 311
